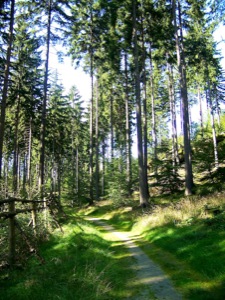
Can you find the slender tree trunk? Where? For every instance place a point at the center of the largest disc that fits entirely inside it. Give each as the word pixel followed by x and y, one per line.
pixel 77 172
pixel 28 176
pixel 44 104
pixel 143 188
pixel 216 159
pixel 91 132
pixel 128 131
pixel 200 111
pixel 145 124
pixel 16 149
pixel 184 99
pixel 103 170
pixel 96 146
pixel 12 233
pixel 175 155
pixel 59 173
pixel 6 82
pixel 154 133
pixel 111 130
pixel 91 135
pixel 29 155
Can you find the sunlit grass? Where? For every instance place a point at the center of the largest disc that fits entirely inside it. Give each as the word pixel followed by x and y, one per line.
pixel 79 264
pixel 186 237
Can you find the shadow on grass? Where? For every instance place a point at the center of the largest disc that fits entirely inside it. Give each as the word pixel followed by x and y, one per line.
pixel 79 265
pixel 194 255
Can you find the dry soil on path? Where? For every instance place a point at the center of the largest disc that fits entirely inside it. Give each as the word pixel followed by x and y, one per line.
pixel 153 281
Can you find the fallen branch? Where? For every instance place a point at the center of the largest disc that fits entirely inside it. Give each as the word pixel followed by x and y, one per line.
pixel 7 215
pixel 21 201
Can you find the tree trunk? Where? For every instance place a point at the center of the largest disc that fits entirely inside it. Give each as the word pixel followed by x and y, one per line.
pixel 91 135
pixel 154 133
pixel 128 131
pixel 200 111
pixel 143 188
pixel 96 146
pixel 111 130
pixel 184 100
pixel 103 170
pixel 6 82
pixel 77 173
pixel 212 118
pixel 91 173
pixel 175 156
pixel 44 104
pixel 145 132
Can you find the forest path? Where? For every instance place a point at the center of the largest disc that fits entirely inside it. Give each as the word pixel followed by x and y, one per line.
pixel 153 281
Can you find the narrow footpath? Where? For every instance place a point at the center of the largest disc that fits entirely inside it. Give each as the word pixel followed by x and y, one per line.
pixel 156 285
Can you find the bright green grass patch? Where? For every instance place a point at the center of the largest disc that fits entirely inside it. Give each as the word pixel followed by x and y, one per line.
pixel 203 274
pixel 79 264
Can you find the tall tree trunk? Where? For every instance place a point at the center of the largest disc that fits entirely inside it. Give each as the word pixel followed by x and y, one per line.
pixel 111 130
pixel 175 155
pixel 12 233
pixel 154 133
pixel 77 172
pixel 212 118
pixel 59 173
pixel 16 149
pixel 91 131
pixel 145 125
pixel 44 104
pixel 143 187
pixel 29 155
pixel 128 131
pixel 200 111
pixel 91 173
pixel 184 99
pixel 6 82
pixel 103 170
pixel 96 145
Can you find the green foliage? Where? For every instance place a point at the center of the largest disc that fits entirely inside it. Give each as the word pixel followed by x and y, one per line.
pixel 167 178
pixel 117 188
pixel 165 174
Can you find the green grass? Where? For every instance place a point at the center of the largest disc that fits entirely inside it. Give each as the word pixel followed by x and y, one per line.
pixel 79 264
pixel 187 241
pixel 85 263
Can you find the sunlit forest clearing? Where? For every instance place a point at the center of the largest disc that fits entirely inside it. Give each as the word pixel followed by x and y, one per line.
pixel 145 153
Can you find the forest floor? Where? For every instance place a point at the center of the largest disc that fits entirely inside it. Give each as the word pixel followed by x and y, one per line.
pixel 153 282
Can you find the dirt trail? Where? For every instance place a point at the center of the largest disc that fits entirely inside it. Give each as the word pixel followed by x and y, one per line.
pixel 156 285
